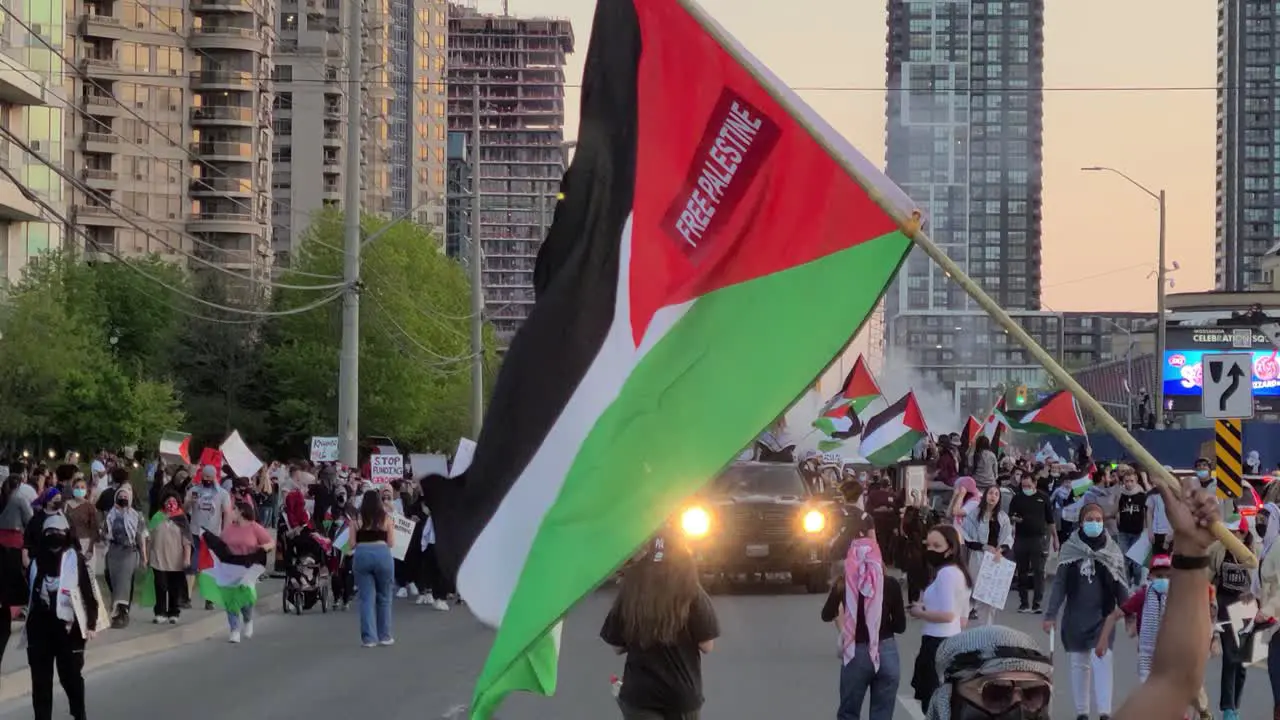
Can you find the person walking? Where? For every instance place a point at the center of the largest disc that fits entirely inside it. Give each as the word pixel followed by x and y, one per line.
pixel 374 570
pixel 1266 590
pixel 15 514
pixel 243 536
pixel 868 652
pixel 945 606
pixel 1090 583
pixel 65 612
pixel 86 523
pixel 126 537
pixel 1033 534
pixel 664 622
pixel 1131 519
pixel 988 534
pixel 169 550
pixel 208 506
pixel 1232 581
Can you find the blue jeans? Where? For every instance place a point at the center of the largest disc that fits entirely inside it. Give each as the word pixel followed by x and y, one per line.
pixel 860 675
pixel 233 619
pixel 375 577
pixel 1136 571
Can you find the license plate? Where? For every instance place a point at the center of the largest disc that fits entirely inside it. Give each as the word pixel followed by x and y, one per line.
pixel 757 551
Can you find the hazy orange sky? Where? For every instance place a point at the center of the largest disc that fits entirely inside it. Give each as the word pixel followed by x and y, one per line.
pixel 1099 232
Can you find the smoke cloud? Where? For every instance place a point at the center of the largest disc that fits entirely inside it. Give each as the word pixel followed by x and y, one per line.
pixel 937 404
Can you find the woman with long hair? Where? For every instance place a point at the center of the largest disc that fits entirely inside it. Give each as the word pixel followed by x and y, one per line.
pixel 987 533
pixel 944 607
pixel 1090 583
pixel 663 621
pixel 374 570
pixel 985 464
pixel 868 606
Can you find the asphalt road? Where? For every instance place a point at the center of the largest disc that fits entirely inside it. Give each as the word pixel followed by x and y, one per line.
pixel 775 660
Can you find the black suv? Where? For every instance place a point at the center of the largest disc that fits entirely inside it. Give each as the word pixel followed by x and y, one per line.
pixel 761 518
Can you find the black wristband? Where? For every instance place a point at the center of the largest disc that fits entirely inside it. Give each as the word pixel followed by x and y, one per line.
pixel 1189 562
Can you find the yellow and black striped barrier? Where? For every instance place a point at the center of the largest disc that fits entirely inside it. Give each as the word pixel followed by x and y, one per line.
pixel 1229 452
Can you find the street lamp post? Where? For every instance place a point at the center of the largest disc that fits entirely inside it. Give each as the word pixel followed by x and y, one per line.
pixel 1161 280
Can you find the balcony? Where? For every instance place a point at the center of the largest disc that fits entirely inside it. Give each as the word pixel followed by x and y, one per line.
pixel 100 142
pixel 99 178
pixel 221 186
pixel 104 65
pixel 208 6
pixel 332 161
pixel 221 37
pixel 333 112
pixel 315 9
pixel 221 115
pixel 331 191
pixel 222 79
pixel 224 222
pixel 96 104
pixel 97 215
pixel 101 26
pixel 334 139
pixel 213 150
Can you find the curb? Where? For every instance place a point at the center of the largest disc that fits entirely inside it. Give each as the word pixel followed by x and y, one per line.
pixel 17 684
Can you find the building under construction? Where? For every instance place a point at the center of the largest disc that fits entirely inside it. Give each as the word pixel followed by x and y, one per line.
pixel 515 66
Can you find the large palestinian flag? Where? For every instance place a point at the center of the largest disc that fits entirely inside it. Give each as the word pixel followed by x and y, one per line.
pixel 841 417
pixel 684 299
pixel 1057 414
pixel 893 432
pixel 228 580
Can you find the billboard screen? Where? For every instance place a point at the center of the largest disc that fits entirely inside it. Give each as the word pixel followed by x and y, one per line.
pixel 1182 372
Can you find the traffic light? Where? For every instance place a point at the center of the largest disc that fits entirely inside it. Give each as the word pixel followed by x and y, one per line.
pixel 1020 396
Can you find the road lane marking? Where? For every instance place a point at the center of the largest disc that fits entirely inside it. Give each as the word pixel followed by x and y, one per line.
pixel 912 707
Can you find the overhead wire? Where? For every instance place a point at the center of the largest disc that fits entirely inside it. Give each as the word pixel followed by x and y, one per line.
pixel 30 195
pixel 445 358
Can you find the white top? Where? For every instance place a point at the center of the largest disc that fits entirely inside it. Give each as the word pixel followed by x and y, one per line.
pixel 1159 521
pixel 947 593
pixel 27 492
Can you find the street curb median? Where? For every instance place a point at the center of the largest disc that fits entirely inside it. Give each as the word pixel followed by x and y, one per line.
pixel 17 684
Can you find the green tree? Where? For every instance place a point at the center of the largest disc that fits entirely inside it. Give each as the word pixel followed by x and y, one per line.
pixel 414 339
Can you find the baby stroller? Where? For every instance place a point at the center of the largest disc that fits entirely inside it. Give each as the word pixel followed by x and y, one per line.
pixel 306 571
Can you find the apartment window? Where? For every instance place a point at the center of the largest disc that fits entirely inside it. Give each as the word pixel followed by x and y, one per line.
pixel 289 22
pixel 284 101
pixel 282 126
pixel 283 73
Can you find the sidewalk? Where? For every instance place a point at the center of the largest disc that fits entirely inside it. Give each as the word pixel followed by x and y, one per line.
pixel 142 637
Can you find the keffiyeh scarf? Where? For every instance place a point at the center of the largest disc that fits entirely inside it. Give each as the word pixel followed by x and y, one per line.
pixel 863 580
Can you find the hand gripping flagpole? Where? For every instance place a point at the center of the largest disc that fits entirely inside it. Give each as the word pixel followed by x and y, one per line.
pixel 911 227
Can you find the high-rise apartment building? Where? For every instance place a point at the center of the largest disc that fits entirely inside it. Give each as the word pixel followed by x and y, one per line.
pixel 516 68
pixel 29 110
pixel 402 112
pixel 171 128
pixel 964 120
pixel 1248 177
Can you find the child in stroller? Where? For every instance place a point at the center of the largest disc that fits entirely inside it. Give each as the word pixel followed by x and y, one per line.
pixel 306 570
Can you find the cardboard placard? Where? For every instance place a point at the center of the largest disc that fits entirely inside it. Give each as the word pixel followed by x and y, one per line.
pixel 324 449
pixel 403 529
pixel 386 468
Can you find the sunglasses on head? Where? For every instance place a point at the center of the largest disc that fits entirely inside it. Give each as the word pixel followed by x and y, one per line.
pixel 1000 695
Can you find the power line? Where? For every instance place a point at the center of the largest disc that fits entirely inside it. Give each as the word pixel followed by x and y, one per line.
pixel 30 195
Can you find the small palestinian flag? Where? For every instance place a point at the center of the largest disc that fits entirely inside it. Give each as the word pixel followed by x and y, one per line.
pixel 175 447
pixel 1057 414
pixel 972 428
pixel 893 432
pixel 697 215
pixel 146 583
pixel 997 418
pixel 227 580
pixel 840 417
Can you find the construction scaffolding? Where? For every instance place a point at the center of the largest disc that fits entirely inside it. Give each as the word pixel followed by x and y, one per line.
pixel 517 66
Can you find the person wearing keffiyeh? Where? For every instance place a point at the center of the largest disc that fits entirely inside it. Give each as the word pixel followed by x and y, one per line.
pixel 992 672
pixel 868 651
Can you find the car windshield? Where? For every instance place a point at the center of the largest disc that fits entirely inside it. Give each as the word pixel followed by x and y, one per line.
pixel 759 480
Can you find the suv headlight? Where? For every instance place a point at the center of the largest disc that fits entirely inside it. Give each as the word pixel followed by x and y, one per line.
pixel 814 521
pixel 695 522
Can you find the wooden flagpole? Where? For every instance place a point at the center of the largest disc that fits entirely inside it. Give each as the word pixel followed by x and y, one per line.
pixel 911 224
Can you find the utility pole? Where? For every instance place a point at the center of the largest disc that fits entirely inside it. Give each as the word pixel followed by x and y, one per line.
pixel 349 364
pixel 477 275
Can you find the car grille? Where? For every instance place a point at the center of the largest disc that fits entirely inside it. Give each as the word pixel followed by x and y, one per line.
pixel 760 523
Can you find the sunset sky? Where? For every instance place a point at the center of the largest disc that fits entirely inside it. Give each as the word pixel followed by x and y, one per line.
pixel 1099 232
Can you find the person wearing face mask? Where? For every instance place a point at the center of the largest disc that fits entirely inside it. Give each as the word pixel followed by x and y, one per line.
pixel 49 503
pixel 1131 516
pixel 944 606
pixel 125 531
pixel 169 547
pixel 1033 534
pixel 65 612
pixel 208 506
pixel 86 524
pixel 1145 609
pixel 1204 472
pixel 992 673
pixel 1266 590
pixel 1233 583
pixel 1091 581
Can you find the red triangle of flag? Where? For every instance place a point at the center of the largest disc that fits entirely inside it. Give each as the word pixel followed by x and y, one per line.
pixel 912 417
pixel 205 560
pixel 860 383
pixel 1058 411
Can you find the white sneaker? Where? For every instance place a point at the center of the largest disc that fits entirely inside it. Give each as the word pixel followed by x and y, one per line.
pixel 388 642
pixel 423 600
pixel 235 636
pixel 369 645
pixel 248 629
pixel 173 620
pixel 413 589
pixel 440 605
pixel 402 593
pixel 158 620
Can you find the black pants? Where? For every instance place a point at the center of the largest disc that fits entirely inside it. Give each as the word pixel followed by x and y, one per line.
pixel 1029 558
pixel 343 581
pixel 430 577
pixel 887 536
pixel 6 628
pixel 170 586
pixel 924 680
pixel 50 645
